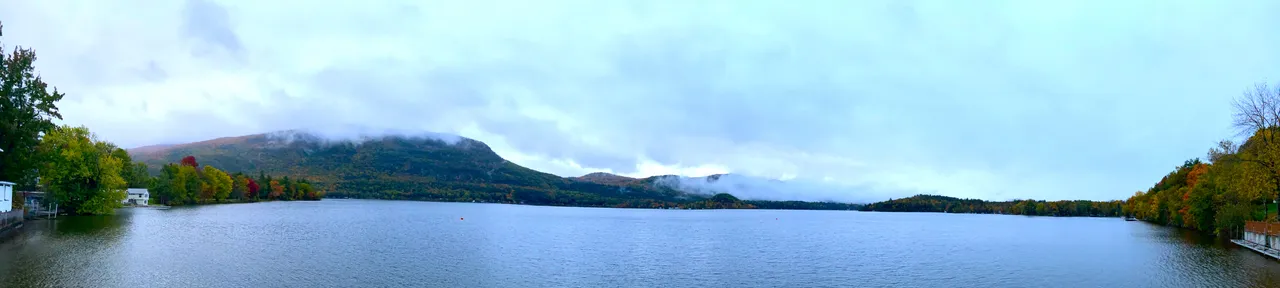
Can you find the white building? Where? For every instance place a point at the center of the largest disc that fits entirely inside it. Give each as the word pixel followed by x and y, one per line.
pixel 137 196
pixel 6 196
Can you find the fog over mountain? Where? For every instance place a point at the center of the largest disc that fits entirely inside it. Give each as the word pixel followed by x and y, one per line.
pixel 840 99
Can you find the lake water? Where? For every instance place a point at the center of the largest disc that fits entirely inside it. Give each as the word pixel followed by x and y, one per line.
pixel 367 243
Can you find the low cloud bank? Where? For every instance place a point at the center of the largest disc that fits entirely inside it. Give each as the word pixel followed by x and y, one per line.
pixel 355 135
pixel 755 188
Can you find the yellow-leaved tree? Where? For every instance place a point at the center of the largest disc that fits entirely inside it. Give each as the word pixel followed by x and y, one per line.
pixel 80 172
pixel 219 183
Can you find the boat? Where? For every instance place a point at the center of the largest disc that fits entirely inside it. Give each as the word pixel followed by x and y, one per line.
pixel 1130 218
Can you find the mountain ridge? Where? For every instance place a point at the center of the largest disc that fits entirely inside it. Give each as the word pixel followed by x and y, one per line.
pixel 428 167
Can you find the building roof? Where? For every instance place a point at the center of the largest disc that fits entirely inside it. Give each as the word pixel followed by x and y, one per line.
pixel 6 183
pixel 137 191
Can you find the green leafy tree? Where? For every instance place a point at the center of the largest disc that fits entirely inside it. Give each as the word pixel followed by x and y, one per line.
pixel 125 161
pixel 188 184
pixel 17 205
pixel 239 186
pixel 176 185
pixel 287 189
pixel 307 192
pixel 218 182
pixel 27 110
pixel 161 188
pixel 140 177
pixel 134 173
pixel 264 185
pixel 80 172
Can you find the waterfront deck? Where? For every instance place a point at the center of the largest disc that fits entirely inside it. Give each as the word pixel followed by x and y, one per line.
pixel 1261 237
pixel 10 221
pixel 1273 253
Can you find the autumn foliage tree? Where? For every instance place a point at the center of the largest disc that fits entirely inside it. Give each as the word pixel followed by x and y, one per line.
pixel 1258 113
pixel 182 183
pixel 218 184
pixel 190 161
pixel 252 187
pixel 1234 186
pixel 277 190
pixel 239 186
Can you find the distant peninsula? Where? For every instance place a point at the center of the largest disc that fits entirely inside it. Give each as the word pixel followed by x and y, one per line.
pixel 944 204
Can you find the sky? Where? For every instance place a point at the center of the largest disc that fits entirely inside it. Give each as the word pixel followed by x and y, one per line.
pixel 864 99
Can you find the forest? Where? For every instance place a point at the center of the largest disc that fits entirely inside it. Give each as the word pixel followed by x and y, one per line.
pixel 1237 183
pixel 935 203
pixel 187 182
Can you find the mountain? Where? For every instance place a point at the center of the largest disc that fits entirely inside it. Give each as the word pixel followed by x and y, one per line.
pixel 150 149
pixel 605 178
pixel 425 167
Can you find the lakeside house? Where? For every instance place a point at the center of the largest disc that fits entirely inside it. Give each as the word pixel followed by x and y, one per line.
pixel 137 196
pixel 9 219
pixel 6 196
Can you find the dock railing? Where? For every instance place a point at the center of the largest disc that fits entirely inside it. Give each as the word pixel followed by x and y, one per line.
pixel 10 219
pixel 1263 233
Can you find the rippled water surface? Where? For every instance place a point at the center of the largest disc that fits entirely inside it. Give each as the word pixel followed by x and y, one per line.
pixel 364 243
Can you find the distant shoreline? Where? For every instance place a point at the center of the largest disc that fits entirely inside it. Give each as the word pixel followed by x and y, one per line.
pixel 1028 207
pixel 854 207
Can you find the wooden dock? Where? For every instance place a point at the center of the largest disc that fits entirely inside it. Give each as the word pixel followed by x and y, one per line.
pixel 1261 237
pixel 1273 253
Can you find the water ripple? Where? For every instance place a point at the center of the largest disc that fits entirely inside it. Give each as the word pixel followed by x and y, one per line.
pixel 350 243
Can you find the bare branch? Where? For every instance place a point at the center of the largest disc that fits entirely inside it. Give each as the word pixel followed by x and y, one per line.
pixel 1257 109
pixel 1220 153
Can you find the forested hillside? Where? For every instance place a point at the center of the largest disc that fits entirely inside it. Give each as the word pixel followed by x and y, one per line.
pixel 1234 186
pixel 934 203
pixel 427 168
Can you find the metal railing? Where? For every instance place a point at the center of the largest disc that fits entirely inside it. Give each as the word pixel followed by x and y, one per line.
pixel 1263 228
pixel 11 218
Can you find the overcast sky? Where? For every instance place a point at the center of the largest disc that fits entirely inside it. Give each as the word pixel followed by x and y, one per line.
pixel 988 99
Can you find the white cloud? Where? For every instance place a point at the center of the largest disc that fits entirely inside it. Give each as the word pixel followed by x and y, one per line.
pixel 989 99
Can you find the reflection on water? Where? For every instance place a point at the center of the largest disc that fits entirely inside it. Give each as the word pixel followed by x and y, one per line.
pixel 355 243
pixel 1193 237
pixel 60 251
pixel 92 225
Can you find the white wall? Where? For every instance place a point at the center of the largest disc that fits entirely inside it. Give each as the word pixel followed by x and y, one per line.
pixel 6 197
pixel 132 195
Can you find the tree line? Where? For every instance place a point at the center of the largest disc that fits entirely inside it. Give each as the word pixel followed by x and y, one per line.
pixel 513 194
pixel 187 182
pixel 1235 185
pixel 936 203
